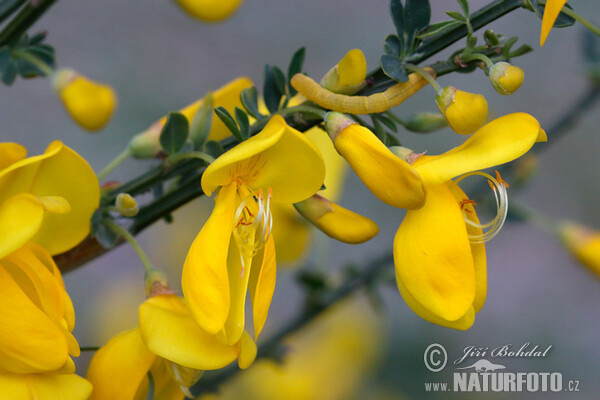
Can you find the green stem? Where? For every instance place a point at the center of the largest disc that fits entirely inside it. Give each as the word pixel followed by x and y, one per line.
pixel 125 234
pixel 114 164
pixel 593 28
pixel 192 154
pixel 89 348
pixel 424 74
pixel 534 217
pixel 304 109
pixel 26 17
pixel 39 64
pixel 478 56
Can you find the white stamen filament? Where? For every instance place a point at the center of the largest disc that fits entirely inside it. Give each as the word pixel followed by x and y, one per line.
pixel 494 226
pixel 252 232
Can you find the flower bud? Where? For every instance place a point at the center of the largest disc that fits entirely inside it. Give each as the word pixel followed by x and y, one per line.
pixel 406 154
pixel 126 205
pixel 336 221
pixel 465 112
pixel 210 10
pixel 89 103
pixel 425 122
pixel 583 243
pixel 156 283
pixel 506 78
pixel 147 143
pixel 348 76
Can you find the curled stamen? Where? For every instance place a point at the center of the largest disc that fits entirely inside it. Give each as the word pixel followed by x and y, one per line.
pixel 493 227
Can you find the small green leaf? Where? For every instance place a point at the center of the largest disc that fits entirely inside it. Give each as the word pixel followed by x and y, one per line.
pixel 397 13
pixel 387 121
pixel 202 122
pixel 379 131
pixel 295 67
pixel 392 140
pixel 38 38
pixel 491 38
pixel 507 46
pixel 417 14
pixel 456 15
pixel 243 122
pixel 214 148
pixel 392 46
pixel 471 41
pixel 279 79
pixel 174 133
pixel 464 4
pixel 249 99
pixel 435 29
pixel 103 234
pixel 229 122
pixel 393 68
pixel 523 49
pixel 271 90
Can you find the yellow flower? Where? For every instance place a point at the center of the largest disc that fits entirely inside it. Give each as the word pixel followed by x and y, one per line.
pixel 506 78
pixel 347 76
pixel 90 104
pixel 583 243
pixel 210 10
pixel 234 252
pixel 37 318
pixel 438 249
pixel 147 144
pixel 465 112
pixel 170 346
pixel 551 12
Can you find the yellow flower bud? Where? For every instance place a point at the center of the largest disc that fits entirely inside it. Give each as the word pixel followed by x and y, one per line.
pixel 506 78
pixel 348 76
pixel 336 221
pixel 90 104
pixel 126 205
pixel 210 10
pixel 465 112
pixel 583 243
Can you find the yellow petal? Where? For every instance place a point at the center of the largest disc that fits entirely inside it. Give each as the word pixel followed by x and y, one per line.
pixel 210 10
pixel 170 332
pixel 58 172
pixel 10 153
pixel 44 387
pixel 120 366
pixel 465 112
pixel 165 387
pixel 388 177
pixel 21 217
pixel 55 204
pixel 335 166
pixel 499 141
pixel 290 233
pixel 477 249
pixel 352 68
pixel 90 104
pixel 262 284
pixel 433 256
pixel 336 221
pixel 278 157
pixel 31 342
pixel 204 279
pixel 248 351
pixel 551 12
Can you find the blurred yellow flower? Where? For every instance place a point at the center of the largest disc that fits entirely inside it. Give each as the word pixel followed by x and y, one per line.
pixel 90 104
pixel 167 344
pixel 234 252
pixel 583 243
pixel 551 12
pixel 210 10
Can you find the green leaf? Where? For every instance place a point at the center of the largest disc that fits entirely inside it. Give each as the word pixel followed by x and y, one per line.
pixel 491 38
pixel 393 68
pixel 243 122
pixel 387 121
pixel 464 4
pixel 508 45
pixel 249 99
pixel 229 122
pixel 214 148
pixel 562 21
pixel 202 122
pixel 103 234
pixel 435 29
pixel 523 49
pixel 456 15
pixel 392 46
pixel 272 89
pixel 392 140
pixel 471 41
pixel 295 68
pixel 174 133
pixel 397 13
pixel 379 131
pixel 417 14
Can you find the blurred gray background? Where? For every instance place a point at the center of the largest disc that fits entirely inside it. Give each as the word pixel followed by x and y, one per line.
pixel 158 59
